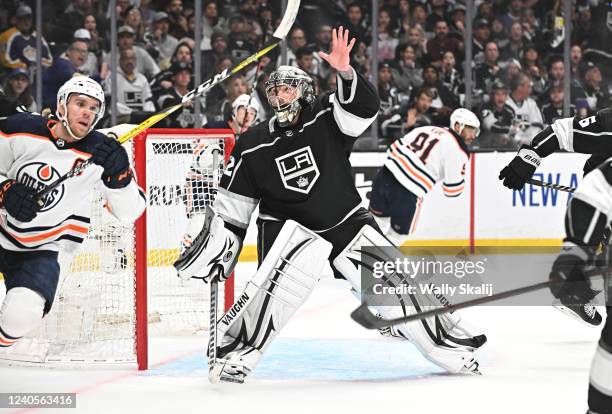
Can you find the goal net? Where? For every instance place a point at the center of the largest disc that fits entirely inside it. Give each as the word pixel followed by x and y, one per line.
pixel 120 285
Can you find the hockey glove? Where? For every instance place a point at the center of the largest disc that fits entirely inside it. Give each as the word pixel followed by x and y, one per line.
pixel 19 200
pixel 520 169
pixel 567 276
pixel 111 156
pixel 604 117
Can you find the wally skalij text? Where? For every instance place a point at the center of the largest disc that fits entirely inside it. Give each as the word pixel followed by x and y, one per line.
pixel 453 275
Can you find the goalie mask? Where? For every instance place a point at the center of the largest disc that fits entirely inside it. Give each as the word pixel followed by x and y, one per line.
pixel 288 90
pixel 80 85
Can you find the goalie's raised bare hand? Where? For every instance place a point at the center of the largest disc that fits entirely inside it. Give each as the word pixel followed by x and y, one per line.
pixel 339 58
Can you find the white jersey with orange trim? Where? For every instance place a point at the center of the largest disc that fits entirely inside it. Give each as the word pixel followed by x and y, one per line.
pixel 427 155
pixel 30 154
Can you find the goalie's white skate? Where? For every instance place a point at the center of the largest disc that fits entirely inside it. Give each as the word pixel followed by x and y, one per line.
pixel 235 366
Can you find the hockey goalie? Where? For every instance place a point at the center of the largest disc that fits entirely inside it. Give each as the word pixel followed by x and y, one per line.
pixel 296 168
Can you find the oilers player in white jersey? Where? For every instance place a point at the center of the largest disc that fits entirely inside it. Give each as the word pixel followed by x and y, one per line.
pixel 34 152
pixel 296 168
pixel 414 164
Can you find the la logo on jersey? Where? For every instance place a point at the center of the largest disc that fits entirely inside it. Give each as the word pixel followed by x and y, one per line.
pixel 38 175
pixel 298 170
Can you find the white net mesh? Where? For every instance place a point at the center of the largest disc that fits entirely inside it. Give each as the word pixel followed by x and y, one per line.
pixel 93 318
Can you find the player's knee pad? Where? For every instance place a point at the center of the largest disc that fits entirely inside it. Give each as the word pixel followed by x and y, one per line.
pixel 280 286
pixel 441 339
pixel 21 312
pixel 215 245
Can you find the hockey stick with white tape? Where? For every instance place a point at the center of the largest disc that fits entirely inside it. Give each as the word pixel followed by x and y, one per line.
pixel 279 34
pixel 368 320
pixel 551 185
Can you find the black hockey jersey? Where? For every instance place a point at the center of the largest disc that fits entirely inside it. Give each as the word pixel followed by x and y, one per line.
pixel 300 172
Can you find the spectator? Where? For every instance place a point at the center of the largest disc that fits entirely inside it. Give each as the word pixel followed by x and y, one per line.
pixel 306 62
pixel 420 114
pixel 436 14
pixel 513 15
pixel 407 75
pixel 64 67
pixel 96 43
pixel 72 19
pixel 17 87
pixel 450 76
pixel 498 34
pixel 185 117
pixel 553 109
pixel 90 67
pixel 513 68
pixel 387 41
pixel 331 82
pixel 240 45
pixel 441 43
pixel 443 101
pixel 18 44
pixel 534 69
pixel 457 21
pixel 387 91
pixel 296 40
pixel 489 71
pixel 527 116
pixel 147 14
pixel 322 44
pixel 531 25
pixel 177 23
pixel 234 87
pixel 556 74
pixel 160 43
pixel 597 96
pixel 210 23
pixel 163 80
pixel 403 19
pixel 133 19
pixel 576 61
pixel 514 48
pixel 355 25
pixel 211 58
pixel 133 92
pixel 416 39
pixel 496 118
pixel 259 94
pixel 144 62
pixel 418 16
pixel 482 33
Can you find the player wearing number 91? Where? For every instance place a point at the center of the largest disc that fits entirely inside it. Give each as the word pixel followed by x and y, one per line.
pixel 414 164
pixel 296 168
pixel 34 152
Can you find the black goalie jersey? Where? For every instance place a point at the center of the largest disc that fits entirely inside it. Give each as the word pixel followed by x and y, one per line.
pixel 300 172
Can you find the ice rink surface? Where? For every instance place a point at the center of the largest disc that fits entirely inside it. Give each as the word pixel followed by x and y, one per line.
pixel 537 361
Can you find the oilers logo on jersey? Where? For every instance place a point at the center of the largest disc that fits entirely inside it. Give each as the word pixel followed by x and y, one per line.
pixel 298 170
pixel 38 175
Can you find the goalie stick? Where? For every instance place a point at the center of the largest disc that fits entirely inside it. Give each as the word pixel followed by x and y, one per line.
pixel 368 320
pixel 278 36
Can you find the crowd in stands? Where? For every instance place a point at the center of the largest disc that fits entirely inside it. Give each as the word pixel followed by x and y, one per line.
pixel 517 67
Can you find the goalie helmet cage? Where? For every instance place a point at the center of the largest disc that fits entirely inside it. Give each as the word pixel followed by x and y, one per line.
pixel 120 286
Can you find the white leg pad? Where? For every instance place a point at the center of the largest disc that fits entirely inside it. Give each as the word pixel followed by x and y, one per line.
pixel 21 312
pixel 283 282
pixel 442 339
